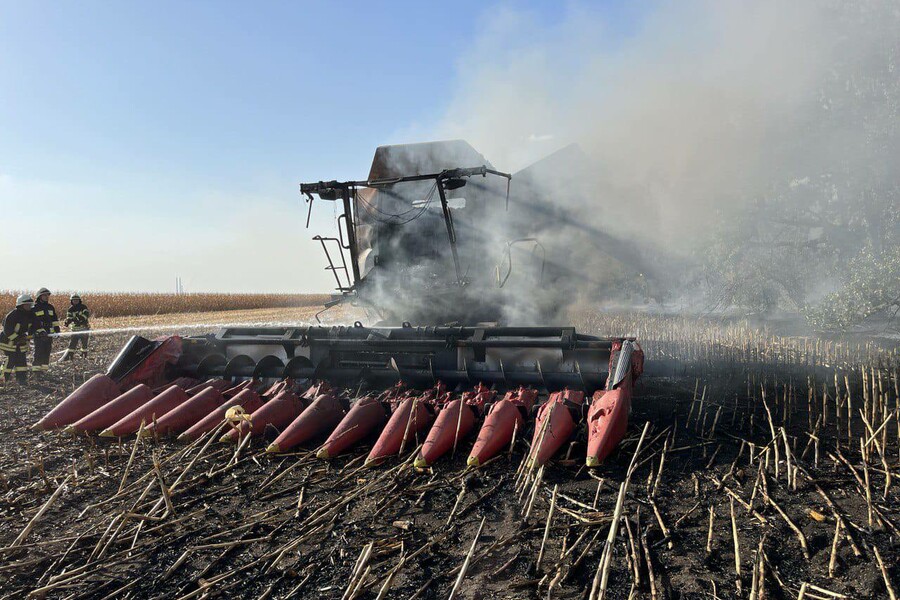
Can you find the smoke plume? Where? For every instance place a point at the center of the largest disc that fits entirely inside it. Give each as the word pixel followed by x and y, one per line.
pixel 698 114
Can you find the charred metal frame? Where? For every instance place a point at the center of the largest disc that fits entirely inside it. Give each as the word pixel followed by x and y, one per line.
pixel 346 191
pixel 537 245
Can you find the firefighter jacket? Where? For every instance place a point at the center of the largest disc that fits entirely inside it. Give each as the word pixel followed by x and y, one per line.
pixel 77 316
pixel 45 319
pixel 17 329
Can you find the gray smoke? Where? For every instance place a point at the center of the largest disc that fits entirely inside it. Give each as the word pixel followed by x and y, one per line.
pixel 709 112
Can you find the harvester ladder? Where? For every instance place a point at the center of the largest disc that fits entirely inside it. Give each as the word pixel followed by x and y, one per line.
pixel 335 269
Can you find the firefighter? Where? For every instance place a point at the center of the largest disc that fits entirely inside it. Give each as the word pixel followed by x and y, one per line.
pixel 45 323
pixel 17 328
pixel 77 320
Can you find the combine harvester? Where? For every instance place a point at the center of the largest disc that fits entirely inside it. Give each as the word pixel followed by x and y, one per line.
pixel 415 234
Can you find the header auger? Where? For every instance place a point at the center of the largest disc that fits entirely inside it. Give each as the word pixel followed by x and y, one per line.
pixel 417 232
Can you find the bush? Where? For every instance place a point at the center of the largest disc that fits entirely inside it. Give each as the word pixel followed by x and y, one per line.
pixel 871 289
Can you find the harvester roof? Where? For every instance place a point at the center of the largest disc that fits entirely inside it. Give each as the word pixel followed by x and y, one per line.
pixel 404 160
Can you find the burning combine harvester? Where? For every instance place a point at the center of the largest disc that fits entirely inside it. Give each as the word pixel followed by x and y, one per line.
pixel 411 242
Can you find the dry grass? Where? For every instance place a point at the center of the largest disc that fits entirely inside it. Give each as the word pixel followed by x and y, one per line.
pixel 120 304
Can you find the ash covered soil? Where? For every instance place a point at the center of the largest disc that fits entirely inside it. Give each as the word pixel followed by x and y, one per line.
pixel 253 525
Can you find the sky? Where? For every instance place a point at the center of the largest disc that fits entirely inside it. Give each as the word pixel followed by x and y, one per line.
pixel 140 141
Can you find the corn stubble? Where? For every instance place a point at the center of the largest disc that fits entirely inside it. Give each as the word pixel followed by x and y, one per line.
pixel 765 468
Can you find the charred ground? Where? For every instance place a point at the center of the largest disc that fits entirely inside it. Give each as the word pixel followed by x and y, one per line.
pixel 243 522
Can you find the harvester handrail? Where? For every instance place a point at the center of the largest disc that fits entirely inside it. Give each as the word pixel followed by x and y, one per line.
pixel 317 187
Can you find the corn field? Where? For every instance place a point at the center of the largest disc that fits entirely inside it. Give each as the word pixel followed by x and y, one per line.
pixel 128 304
pixel 719 342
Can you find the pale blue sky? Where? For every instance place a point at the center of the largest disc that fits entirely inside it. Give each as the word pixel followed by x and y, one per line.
pixel 144 140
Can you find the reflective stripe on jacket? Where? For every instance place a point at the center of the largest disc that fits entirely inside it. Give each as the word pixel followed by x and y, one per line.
pixel 18 326
pixel 45 319
pixel 78 317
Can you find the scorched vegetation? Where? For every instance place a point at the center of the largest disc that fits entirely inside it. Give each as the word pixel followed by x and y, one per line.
pixel 763 466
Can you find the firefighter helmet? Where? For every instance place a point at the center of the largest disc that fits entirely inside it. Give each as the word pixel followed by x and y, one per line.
pixel 41 292
pixel 24 299
pixel 74 297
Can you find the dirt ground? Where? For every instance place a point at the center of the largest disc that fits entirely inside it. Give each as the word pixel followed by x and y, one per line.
pixel 251 525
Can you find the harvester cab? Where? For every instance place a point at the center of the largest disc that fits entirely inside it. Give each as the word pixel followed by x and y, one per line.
pixel 417 240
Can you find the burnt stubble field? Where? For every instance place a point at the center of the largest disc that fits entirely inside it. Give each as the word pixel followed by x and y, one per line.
pixel 754 467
